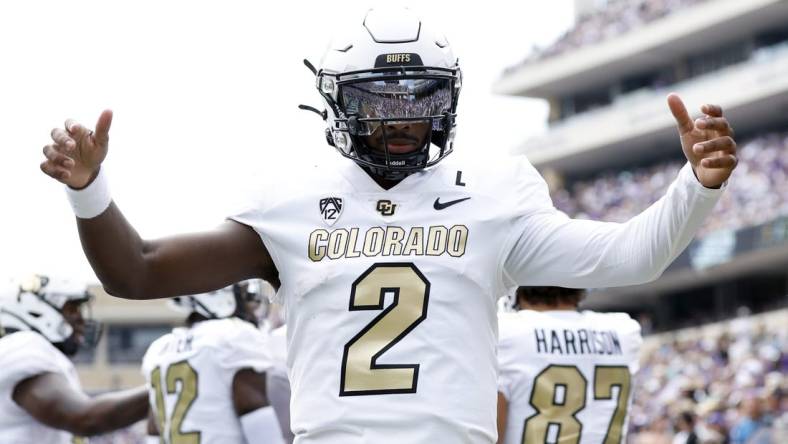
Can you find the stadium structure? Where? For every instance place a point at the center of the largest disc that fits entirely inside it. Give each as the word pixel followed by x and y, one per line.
pixel 129 328
pixel 606 80
pixel 609 128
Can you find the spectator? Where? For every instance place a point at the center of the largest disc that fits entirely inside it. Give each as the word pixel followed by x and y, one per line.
pixel 685 429
pixel 758 195
pixel 729 377
pixel 616 18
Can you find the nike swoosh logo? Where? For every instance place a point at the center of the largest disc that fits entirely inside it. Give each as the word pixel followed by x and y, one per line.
pixel 438 205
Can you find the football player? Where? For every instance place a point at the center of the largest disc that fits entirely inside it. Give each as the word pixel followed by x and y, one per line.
pixel 253 306
pixel 565 376
pixel 207 379
pixel 278 383
pixel 41 400
pixel 390 258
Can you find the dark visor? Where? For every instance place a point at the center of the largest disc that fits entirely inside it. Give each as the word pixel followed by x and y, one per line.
pixel 396 98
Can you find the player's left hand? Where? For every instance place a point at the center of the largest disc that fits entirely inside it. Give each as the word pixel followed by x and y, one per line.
pixel 707 142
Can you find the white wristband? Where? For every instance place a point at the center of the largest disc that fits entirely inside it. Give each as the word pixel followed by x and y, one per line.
pixel 261 426
pixel 92 200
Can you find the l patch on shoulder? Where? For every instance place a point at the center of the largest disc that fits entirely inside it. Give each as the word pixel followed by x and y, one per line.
pixel 330 209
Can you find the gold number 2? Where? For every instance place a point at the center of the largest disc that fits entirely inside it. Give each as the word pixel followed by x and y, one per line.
pixel 361 374
pixel 559 393
pixel 184 374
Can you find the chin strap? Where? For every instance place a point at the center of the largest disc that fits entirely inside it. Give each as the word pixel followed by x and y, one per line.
pixel 311 67
pixel 323 114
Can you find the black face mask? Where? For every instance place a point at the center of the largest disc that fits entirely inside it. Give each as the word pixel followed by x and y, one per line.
pixel 69 347
pixel 374 104
pixel 364 101
pixel 92 335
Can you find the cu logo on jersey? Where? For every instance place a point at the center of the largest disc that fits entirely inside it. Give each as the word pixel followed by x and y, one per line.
pixel 386 208
pixel 330 209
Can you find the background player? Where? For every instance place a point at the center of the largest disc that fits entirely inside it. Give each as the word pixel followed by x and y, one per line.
pixel 41 400
pixel 277 381
pixel 564 376
pixel 207 380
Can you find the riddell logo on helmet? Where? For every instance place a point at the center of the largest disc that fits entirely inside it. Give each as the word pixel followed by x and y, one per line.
pixel 397 58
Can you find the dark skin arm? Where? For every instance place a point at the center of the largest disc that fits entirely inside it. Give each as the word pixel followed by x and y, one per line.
pixel 248 391
pixel 50 399
pixel 133 268
pixel 153 430
pixel 503 411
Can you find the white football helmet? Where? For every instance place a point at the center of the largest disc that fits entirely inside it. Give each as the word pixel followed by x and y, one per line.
pixel 37 306
pixel 217 304
pixel 390 70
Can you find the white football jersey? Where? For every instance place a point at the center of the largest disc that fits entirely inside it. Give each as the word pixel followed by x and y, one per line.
pixel 277 382
pixel 391 294
pixel 22 355
pixel 190 375
pixel 567 375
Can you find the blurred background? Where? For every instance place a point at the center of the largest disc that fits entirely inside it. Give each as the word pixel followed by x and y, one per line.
pixel 577 86
pixel 716 355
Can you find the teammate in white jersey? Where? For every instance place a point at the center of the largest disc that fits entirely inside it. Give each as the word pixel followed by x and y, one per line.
pixel 277 382
pixel 41 400
pixel 207 380
pixel 390 262
pixel 564 376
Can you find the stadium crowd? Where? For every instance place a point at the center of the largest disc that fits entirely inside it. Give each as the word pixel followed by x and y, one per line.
pixel 757 194
pixel 722 383
pixel 616 18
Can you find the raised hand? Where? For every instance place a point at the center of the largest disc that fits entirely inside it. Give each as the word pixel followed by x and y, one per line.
pixel 77 152
pixel 707 142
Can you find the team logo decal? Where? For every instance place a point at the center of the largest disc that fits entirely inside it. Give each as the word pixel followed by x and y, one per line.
pixel 386 208
pixel 330 209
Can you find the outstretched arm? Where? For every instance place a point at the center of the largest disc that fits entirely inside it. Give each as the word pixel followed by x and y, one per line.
pixel 49 398
pixel 129 266
pixel 134 268
pixel 556 250
pixel 257 417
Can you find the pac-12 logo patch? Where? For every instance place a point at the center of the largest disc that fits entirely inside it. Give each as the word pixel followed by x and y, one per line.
pixel 330 209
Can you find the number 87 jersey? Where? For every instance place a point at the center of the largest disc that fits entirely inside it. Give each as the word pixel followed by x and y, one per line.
pixel 567 376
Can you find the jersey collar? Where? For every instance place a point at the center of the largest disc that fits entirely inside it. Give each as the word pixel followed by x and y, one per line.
pixel 362 182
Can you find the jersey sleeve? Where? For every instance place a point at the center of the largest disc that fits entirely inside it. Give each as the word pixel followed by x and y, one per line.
pixel 245 347
pixel 251 209
pixel 552 249
pixel 31 356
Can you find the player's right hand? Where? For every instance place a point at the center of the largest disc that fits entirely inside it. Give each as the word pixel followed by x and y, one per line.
pixel 76 153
